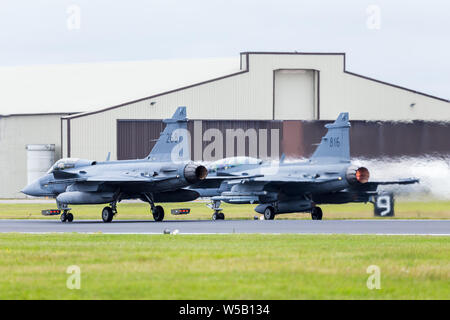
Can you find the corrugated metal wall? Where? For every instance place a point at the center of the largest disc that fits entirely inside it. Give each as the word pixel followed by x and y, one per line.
pixel 269 136
pixel 295 138
pixel 136 138
pixel 370 139
pixel 16 131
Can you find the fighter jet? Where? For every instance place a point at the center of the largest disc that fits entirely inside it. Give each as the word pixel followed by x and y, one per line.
pixel 328 177
pixel 160 177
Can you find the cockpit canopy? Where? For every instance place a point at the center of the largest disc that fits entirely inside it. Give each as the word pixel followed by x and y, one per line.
pixel 69 163
pixel 233 162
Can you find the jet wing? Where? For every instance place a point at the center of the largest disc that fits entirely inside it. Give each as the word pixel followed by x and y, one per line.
pixel 216 181
pixel 68 177
pixel 284 180
pixel 373 185
pixel 112 180
pixel 400 181
pixel 128 179
pixel 311 180
pixel 287 184
pixel 232 177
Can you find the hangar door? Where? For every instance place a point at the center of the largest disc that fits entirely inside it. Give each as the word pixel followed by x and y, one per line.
pixel 135 138
pixel 295 94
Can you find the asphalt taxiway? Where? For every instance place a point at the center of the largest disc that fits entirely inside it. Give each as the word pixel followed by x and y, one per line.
pixel 389 227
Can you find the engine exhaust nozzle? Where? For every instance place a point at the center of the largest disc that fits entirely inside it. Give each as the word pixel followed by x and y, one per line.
pixel 357 175
pixel 194 172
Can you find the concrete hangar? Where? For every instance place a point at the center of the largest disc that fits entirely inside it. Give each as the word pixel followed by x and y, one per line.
pixel 279 100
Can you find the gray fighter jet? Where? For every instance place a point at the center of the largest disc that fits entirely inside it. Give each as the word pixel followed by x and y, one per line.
pixel 160 177
pixel 328 177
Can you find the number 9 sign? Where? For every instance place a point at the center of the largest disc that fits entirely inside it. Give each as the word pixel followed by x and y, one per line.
pixel 384 205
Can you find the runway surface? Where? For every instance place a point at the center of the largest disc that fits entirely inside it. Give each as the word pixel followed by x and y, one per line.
pixel 400 227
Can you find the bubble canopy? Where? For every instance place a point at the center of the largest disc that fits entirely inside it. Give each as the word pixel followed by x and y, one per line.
pixel 232 162
pixel 69 163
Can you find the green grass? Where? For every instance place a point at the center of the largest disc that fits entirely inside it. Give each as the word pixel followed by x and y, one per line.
pixel 223 266
pixel 403 210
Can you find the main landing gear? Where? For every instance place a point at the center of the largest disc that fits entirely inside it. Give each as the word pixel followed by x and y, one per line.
pixel 218 214
pixel 316 213
pixel 269 213
pixel 109 212
pixel 157 211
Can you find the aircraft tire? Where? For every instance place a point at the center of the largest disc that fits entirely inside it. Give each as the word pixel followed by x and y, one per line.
pixel 269 213
pixel 316 213
pixel 158 213
pixel 69 217
pixel 107 214
pixel 218 216
pixel 63 217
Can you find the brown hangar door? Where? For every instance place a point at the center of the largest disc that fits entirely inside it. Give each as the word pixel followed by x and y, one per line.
pixel 135 138
pixel 257 138
pixel 296 138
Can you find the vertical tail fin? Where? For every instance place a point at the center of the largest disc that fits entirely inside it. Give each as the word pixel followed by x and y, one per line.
pixel 173 143
pixel 335 145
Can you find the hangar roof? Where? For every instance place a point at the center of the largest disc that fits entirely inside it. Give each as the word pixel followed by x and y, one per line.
pixel 245 67
pixel 81 89
pixel 49 89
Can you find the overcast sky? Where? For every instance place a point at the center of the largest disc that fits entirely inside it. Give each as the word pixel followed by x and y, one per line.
pixel 403 42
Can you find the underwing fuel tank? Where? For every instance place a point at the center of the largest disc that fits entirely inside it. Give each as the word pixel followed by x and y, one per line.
pixel 180 195
pixel 78 197
pixel 288 206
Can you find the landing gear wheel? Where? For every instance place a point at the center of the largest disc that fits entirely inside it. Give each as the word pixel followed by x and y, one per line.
pixel 69 217
pixel 218 216
pixel 269 213
pixel 316 213
pixel 107 214
pixel 158 213
pixel 63 217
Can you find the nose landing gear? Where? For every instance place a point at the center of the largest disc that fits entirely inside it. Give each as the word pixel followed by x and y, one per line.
pixel 218 216
pixel 66 216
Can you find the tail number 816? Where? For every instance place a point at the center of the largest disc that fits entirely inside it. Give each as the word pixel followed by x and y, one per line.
pixel 335 142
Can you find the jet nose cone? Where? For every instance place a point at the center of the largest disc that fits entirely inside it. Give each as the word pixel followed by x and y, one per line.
pixel 33 189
